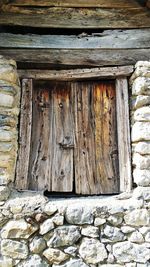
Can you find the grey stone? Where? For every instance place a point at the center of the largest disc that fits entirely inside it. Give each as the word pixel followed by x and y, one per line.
pixel 140 131
pixel 114 234
pixel 136 237
pixel 142 148
pixel 6 100
pixel 109 265
pixel 46 226
pixel 90 231
pixel 147 237
pixel 79 215
pixel 139 217
pixel 92 251
pixel 18 229
pixel 14 249
pixel 33 261
pixel 6 262
pixel 65 236
pixel 71 251
pixel 37 245
pixel 141 86
pixel 141 161
pixel 142 192
pixel 141 177
pixel 99 221
pixel 50 208
pixel 4 193
pixel 58 219
pixel 144 230
pixel 5 146
pixel 127 229
pixel 142 114
pixel 140 101
pixel 73 263
pixel 55 256
pixel 115 220
pixel 127 252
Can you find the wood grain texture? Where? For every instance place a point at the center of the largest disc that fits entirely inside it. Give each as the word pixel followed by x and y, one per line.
pixel 51 157
pixel 39 168
pixel 21 181
pixel 78 57
pixel 77 3
pixel 77 74
pixel 96 169
pixel 108 39
pixel 124 143
pixel 62 141
pixel 81 18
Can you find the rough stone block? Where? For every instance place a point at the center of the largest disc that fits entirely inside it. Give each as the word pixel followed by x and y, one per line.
pixel 142 148
pixel 55 256
pixel 4 193
pixel 140 131
pixel 79 215
pixel 92 251
pixel 142 114
pixel 139 217
pixel 14 249
pixel 141 162
pixel 18 229
pixel 141 86
pixel 141 177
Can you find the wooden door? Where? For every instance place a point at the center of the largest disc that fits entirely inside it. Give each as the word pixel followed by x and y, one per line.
pixel 73 145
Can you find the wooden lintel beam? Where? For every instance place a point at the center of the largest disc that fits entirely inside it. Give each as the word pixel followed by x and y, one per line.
pixel 77 74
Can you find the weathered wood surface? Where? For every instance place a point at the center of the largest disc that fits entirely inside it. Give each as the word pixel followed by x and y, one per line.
pixel 77 74
pixel 95 134
pixel 24 135
pixel 124 144
pixel 51 157
pixel 78 57
pixel 88 18
pixel 108 39
pixel 77 3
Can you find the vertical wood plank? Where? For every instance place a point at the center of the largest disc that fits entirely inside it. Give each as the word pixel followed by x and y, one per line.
pixel 106 152
pixel 124 145
pixel 95 156
pixel 84 154
pixel 39 169
pixel 24 135
pixel 62 139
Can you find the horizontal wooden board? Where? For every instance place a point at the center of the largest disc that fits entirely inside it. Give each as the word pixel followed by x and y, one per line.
pixel 77 3
pixel 108 39
pixel 77 74
pixel 81 18
pixel 78 57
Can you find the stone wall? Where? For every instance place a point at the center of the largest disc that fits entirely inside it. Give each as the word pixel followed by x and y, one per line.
pixel 86 232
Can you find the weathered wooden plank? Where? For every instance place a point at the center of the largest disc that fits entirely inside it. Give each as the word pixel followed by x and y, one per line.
pixel 62 139
pixel 21 181
pixel 148 3
pixel 39 167
pixel 78 57
pixel 95 135
pixel 77 3
pixel 107 170
pixel 77 74
pixel 84 152
pixel 82 18
pixel 117 39
pixel 124 145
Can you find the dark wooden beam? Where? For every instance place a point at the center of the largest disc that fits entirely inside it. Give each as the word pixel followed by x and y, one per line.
pixel 77 74
pixel 77 3
pixel 78 57
pixel 117 39
pixel 81 18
